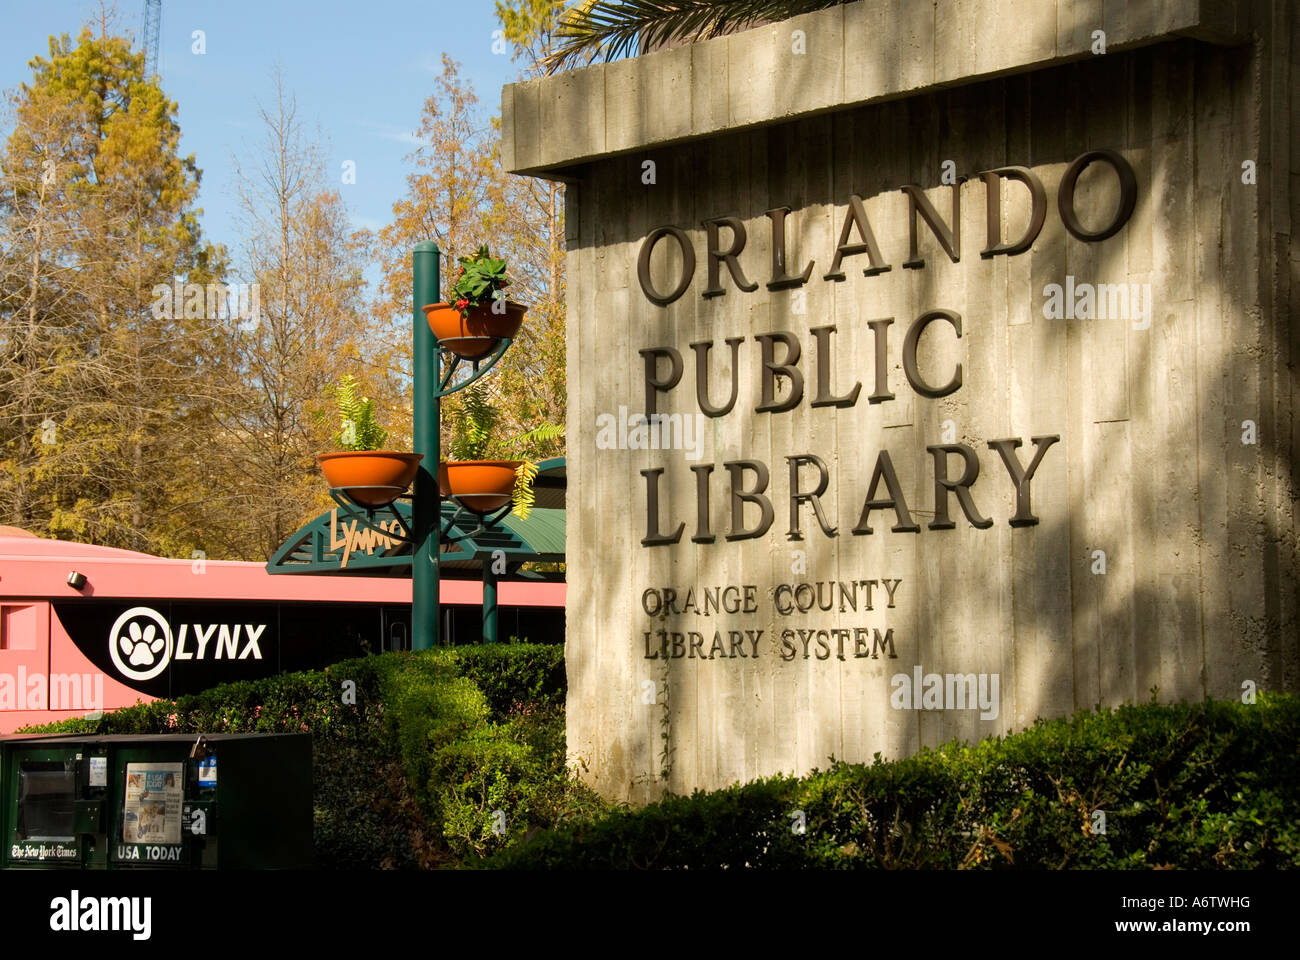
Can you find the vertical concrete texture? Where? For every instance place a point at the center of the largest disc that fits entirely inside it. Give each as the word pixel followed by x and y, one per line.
pixel 1164 557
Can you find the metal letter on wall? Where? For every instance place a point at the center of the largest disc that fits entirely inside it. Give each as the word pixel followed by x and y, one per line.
pixel 909 354
pixel 1037 214
pixel 1127 194
pixel 643 264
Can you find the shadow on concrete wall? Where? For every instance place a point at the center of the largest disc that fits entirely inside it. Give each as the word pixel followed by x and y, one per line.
pixel 1199 593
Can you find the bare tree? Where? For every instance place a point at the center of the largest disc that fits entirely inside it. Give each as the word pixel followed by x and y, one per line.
pixel 278 367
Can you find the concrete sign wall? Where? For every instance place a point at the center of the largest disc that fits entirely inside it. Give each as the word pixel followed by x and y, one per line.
pixel 929 372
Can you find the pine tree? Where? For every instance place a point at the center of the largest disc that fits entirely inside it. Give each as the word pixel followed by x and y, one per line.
pixel 98 207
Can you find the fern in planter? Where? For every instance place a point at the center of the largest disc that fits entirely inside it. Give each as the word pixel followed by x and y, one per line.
pixel 473 438
pixel 358 431
pixel 369 475
pixel 472 435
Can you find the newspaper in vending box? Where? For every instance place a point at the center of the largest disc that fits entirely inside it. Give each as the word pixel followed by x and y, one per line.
pixel 153 803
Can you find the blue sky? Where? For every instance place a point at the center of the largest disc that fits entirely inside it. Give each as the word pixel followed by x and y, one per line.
pixel 360 71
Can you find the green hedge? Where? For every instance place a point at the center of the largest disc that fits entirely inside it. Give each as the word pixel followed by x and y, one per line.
pixel 412 753
pixel 1203 786
pixel 415 753
pixel 514 676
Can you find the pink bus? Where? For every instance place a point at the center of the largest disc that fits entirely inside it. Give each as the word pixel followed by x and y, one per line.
pixel 86 628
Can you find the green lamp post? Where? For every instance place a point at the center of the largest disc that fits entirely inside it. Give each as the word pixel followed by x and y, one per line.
pixel 426 507
pixel 431 384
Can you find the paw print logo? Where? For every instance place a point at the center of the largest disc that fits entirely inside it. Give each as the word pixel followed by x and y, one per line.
pixel 141 646
pixel 140 643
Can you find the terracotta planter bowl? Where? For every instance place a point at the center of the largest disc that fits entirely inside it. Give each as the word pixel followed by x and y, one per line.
pixel 447 325
pixel 386 472
pixel 479 485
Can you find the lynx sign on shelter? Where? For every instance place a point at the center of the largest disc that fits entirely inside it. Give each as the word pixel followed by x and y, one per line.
pixel 930 371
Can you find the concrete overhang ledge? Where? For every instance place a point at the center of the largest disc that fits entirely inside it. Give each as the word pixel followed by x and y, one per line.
pixel 845 56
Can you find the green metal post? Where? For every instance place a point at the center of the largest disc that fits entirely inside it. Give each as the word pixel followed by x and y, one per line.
pixel 427 507
pixel 489 602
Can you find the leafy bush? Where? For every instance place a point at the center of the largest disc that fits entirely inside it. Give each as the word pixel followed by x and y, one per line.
pixel 412 765
pixel 1192 786
pixel 514 676
pixel 412 753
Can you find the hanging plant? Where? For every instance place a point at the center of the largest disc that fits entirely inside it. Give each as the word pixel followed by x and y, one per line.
pixel 370 477
pixel 481 280
pixel 472 475
pixel 478 315
pixel 358 429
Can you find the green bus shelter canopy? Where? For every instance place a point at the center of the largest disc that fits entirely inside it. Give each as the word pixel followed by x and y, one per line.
pixel 336 542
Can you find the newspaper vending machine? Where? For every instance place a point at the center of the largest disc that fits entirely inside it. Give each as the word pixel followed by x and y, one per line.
pixel 174 801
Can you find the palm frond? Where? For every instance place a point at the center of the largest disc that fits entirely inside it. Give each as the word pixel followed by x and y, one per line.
pixel 616 28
